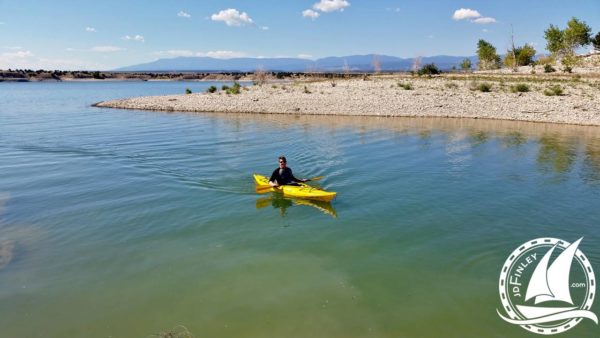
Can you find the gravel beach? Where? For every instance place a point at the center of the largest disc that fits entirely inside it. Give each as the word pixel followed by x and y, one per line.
pixel 441 96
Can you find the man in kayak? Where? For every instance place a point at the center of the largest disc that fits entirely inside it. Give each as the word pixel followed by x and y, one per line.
pixel 283 175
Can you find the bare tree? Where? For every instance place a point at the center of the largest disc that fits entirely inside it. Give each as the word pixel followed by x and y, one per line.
pixel 260 76
pixel 376 64
pixel 346 69
pixel 416 63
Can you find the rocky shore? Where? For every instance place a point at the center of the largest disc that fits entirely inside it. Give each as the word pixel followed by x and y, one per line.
pixel 556 99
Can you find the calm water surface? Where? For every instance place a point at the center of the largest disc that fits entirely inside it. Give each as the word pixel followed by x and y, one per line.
pixel 119 223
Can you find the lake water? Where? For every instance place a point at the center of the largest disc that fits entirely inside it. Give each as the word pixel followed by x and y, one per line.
pixel 118 223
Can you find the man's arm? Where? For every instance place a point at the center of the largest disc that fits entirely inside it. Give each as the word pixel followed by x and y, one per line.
pixel 296 179
pixel 273 180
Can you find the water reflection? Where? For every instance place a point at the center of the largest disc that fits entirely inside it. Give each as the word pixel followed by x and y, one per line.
pixel 556 155
pixel 558 146
pixel 283 204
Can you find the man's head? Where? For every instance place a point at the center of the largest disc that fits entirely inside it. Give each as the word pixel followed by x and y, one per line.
pixel 282 162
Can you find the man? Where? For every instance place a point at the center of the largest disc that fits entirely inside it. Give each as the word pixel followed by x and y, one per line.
pixel 283 175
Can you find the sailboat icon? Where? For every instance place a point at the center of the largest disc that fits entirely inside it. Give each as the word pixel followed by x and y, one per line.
pixel 551 284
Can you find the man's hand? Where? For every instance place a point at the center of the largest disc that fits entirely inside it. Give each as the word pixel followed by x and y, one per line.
pixel 273 184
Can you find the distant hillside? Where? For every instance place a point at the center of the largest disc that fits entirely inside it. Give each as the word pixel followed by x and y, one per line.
pixel 360 63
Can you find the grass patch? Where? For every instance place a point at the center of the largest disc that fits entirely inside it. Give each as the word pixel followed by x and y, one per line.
pixel 519 88
pixel 450 85
pixel 211 89
pixel 405 86
pixel 235 89
pixel 188 91
pixel 482 87
pixel 555 90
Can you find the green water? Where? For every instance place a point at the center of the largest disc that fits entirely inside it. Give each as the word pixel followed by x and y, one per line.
pixel 127 223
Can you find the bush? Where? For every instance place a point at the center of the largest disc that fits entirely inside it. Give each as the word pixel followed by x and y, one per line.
pixel 306 91
pixel 555 90
pixel 549 69
pixel 405 86
pixel 188 91
pixel 234 90
pixel 450 85
pixel 429 69
pixel 211 89
pixel 224 87
pixel 519 88
pixel 482 87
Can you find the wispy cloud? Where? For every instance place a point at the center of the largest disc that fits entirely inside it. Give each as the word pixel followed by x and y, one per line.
pixel 232 17
pixel 472 15
pixel 174 52
pixel 91 29
pixel 28 60
pixel 327 6
pixel 222 54
pixel 106 49
pixel 305 56
pixel 395 10
pixel 218 54
pixel 183 14
pixel 264 28
pixel 13 47
pixel 309 13
pixel 136 37
pixel 484 20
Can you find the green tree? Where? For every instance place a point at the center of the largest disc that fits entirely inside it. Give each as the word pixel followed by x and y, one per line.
pixel 596 42
pixel 577 34
pixel 554 40
pixel 524 56
pixel 465 65
pixel 565 42
pixel 488 57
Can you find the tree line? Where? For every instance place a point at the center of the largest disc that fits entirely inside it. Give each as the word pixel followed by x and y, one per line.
pixel 561 43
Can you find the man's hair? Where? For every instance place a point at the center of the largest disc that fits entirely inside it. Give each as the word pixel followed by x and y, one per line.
pixel 282 158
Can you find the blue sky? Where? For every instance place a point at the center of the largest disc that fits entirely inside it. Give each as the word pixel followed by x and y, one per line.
pixel 106 34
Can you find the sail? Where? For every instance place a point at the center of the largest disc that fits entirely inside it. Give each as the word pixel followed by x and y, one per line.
pixel 538 285
pixel 558 276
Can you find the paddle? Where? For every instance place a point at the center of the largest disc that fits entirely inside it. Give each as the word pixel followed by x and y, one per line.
pixel 315 178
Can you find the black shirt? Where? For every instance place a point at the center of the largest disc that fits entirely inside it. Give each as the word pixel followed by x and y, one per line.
pixel 283 176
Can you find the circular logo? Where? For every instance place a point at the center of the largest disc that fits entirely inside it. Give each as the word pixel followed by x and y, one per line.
pixel 547 286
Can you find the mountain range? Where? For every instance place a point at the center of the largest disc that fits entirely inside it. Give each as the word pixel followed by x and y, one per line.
pixel 356 63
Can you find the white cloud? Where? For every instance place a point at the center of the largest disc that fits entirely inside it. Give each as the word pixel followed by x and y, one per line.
pixel 264 28
pixel 218 54
pixel 91 29
pixel 106 49
pixel 327 6
pixel 27 60
pixel 465 14
pixel 305 56
pixel 309 13
pixel 134 38
pixel 13 47
pixel 183 14
pixel 472 15
pixel 396 10
pixel 222 54
pixel 485 30
pixel 174 52
pixel 232 17
pixel 484 20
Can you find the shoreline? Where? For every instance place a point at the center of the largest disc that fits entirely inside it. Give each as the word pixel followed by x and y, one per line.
pixel 448 96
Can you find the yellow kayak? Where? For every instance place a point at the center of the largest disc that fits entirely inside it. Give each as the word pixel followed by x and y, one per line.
pixel 300 191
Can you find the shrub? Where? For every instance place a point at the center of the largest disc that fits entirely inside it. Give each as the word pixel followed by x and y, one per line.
pixel 188 91
pixel 450 85
pixel 482 87
pixel 549 69
pixel 465 65
pixel 224 87
pixel 405 86
pixel 306 91
pixel 555 90
pixel 519 88
pixel 488 57
pixel 235 89
pixel 211 89
pixel 429 69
